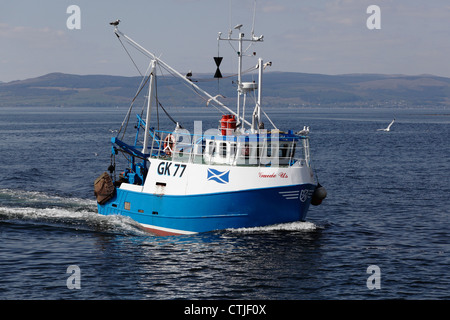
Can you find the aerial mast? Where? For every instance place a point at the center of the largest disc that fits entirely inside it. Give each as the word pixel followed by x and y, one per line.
pixel 241 36
pixel 240 39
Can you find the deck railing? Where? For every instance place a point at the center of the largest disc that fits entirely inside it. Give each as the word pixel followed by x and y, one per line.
pixel 263 149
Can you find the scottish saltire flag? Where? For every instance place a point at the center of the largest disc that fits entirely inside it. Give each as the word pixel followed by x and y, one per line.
pixel 218 176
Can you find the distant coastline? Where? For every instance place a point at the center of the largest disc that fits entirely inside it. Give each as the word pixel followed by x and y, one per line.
pixel 282 89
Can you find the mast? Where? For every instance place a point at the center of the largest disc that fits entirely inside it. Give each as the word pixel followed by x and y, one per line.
pixel 257 111
pixel 172 70
pixel 241 35
pixel 149 105
pixel 240 39
pixel 260 71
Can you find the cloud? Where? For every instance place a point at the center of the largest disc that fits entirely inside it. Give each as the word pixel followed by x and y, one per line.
pixel 35 37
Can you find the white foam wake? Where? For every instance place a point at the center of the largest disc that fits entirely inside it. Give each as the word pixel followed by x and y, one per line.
pixel 76 213
pixel 30 197
pixel 290 226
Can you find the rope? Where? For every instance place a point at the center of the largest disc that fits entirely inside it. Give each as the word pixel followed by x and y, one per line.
pixel 230 76
pixel 167 114
pixel 127 117
pixel 159 104
pixel 129 55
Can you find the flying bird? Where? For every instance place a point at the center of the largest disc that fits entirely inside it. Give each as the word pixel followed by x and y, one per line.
pixel 115 23
pixel 388 127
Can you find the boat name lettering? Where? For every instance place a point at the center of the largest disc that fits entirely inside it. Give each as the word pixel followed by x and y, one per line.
pixel 268 175
pixel 283 175
pixel 164 169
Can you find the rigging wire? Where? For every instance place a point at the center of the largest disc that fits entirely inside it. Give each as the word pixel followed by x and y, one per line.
pixel 169 71
pixel 129 55
pixel 143 83
pixel 127 116
pixel 159 103
pixel 229 76
pixel 168 115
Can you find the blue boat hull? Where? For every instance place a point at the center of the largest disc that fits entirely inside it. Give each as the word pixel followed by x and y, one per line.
pixel 184 214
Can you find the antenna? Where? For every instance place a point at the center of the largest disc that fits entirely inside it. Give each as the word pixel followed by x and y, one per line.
pixel 253 22
pixel 240 53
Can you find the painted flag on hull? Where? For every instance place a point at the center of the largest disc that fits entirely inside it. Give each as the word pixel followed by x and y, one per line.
pixel 218 176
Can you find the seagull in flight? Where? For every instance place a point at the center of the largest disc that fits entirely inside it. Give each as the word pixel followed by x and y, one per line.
pixel 115 23
pixel 388 127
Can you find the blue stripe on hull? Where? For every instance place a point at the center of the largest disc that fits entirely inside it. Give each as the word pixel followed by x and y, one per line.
pixel 207 212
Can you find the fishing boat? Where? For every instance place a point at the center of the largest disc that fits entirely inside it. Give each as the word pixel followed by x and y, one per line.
pixel 237 175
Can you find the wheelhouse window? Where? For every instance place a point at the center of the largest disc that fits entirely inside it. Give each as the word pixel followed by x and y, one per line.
pixel 222 150
pixel 210 148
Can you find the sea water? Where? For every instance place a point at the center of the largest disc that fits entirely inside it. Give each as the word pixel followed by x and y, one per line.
pixel 387 210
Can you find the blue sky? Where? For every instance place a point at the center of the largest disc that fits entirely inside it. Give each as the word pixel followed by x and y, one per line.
pixel 314 36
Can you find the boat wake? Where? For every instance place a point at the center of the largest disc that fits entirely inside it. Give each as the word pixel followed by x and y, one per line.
pixel 39 209
pixel 291 226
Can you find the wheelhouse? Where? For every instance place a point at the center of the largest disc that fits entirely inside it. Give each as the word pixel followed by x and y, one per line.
pixel 267 148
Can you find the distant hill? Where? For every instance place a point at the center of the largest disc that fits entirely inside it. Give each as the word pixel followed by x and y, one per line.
pixel 280 89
